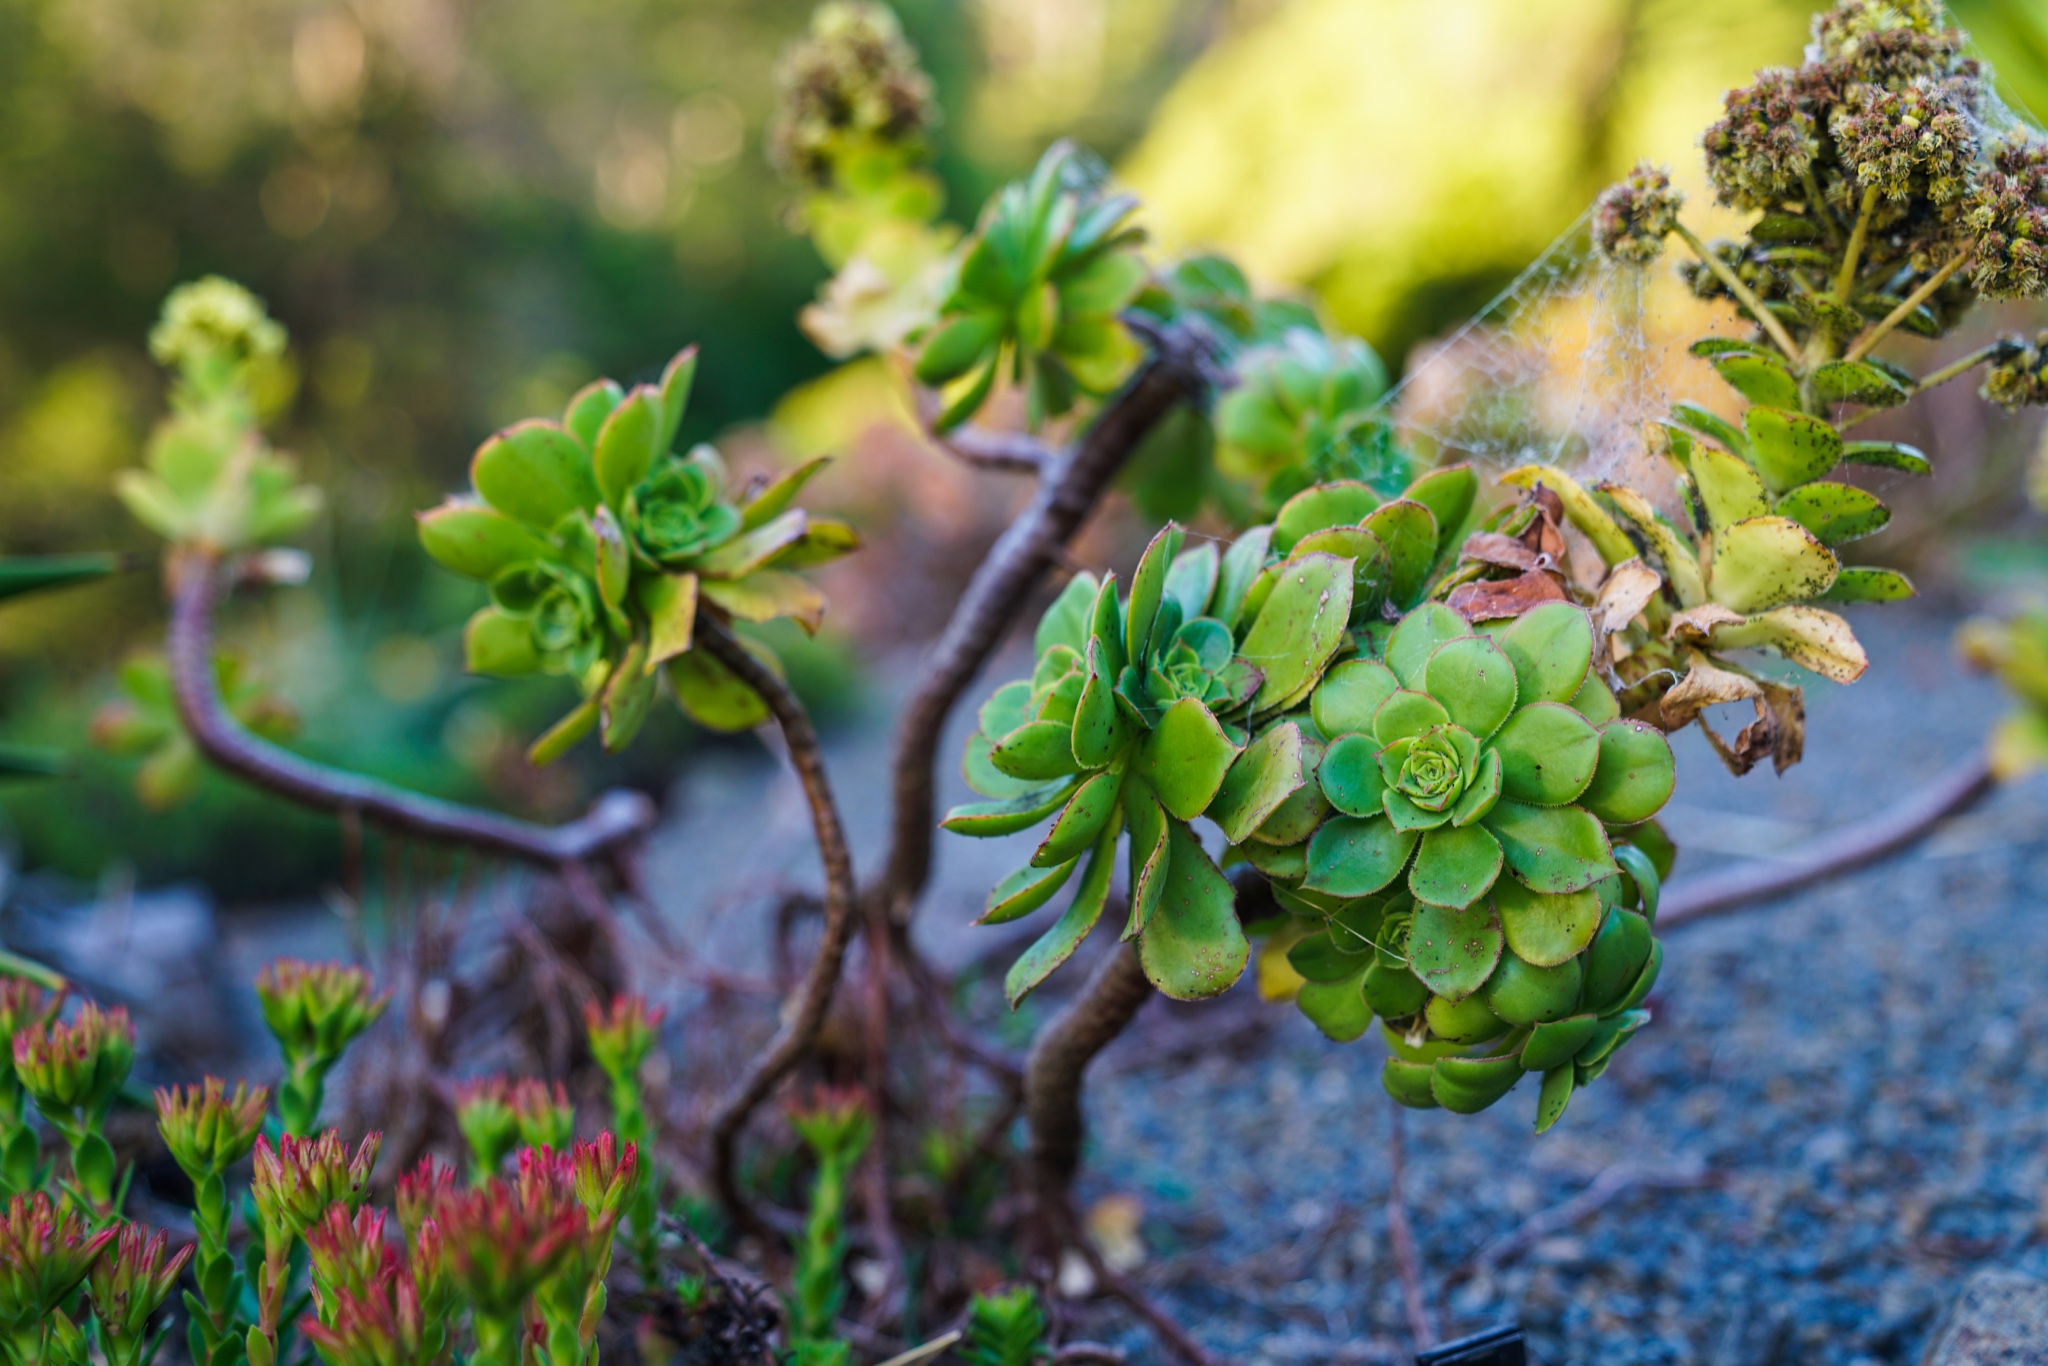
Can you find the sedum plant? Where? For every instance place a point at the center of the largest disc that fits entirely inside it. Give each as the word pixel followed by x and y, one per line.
pixel 601 546
pixel 836 1128
pixel 73 1070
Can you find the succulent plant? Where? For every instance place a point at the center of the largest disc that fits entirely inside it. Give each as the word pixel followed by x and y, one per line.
pixel 601 546
pixel 314 1011
pixel 483 1112
pixel 143 724
pixel 1304 411
pixel 1042 284
pixel 126 1285
pixel 1005 1328
pixel 208 1130
pixel 73 1070
pixel 210 480
pixel 46 1251
pixel 1149 710
pixel 299 1179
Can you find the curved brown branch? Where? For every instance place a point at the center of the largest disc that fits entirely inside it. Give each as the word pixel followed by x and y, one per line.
pixel 1068 490
pixel 806 1016
pixel 1865 842
pixel 1052 1075
pixel 614 821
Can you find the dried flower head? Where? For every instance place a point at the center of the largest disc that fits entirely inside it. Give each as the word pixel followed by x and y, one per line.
pixel 317 1009
pixel 2018 374
pixel 2007 213
pixel 1915 141
pixel 546 1118
pixel 851 85
pixel 1886 42
pixel 296 1181
pixel 1635 215
pixel 622 1036
pixel 214 320
pixel 76 1067
pixel 44 1253
pixel 1763 147
pixel 206 1128
pixel 127 1284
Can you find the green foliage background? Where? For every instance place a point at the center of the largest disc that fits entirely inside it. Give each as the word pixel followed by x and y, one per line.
pixel 462 213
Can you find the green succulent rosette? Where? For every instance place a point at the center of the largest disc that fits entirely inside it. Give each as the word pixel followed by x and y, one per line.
pixel 1141 712
pixel 1304 410
pixel 1041 285
pixel 600 546
pixel 1474 794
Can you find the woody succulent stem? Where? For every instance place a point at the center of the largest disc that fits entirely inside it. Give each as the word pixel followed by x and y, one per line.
pixel 1852 255
pixel 1071 483
pixel 807 1013
pixel 1053 1074
pixel 615 820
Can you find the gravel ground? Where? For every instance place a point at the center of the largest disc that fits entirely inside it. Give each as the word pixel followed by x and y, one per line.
pixel 1837 1115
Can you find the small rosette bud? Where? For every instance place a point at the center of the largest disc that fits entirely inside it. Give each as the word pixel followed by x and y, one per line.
pixel 23 1003
pixel 1632 219
pixel 212 322
pixel 836 1124
pixel 545 1117
pixel 207 1128
pixel 604 1174
pixel 348 1253
pixel 420 1194
pixel 44 1253
pixel 74 1069
pixel 127 1284
pixel 316 1010
pixel 622 1036
pixel 297 1180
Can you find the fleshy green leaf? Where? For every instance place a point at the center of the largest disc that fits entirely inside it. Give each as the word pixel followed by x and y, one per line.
pixel 1409 532
pixel 1552 1044
pixel 1408 1083
pixel 1551 646
pixel 712 695
pixel 1891 455
pixel 1339 503
pixel 1036 751
pixel 1454 867
pixel 1070 620
pixel 1148 586
pixel 774 500
pixel 1760 378
pixel 1768 561
pixel 627 445
pixel 1552 849
pixel 1729 486
pixel 1084 818
pixel 1449 491
pixel 1869 585
pixel 1350 775
pixel 1465 1086
pixel 1616 959
pixel 1149 855
pixel 1265 775
pixel 1337 1008
pixel 499 646
pixel 1185 757
pixel 475 542
pixel 1523 993
pixel 1835 513
pixel 587 410
pixel 670 603
pixel 1349 695
pixel 1635 776
pixel 1475 681
pixel 1024 891
pixel 1554 1097
pixel 984 820
pixel 1300 626
pixel 1406 714
pixel 1350 856
pixel 1454 949
pixel 1057 944
pixel 1193 946
pixel 1548 753
pixel 535 472
pixel 1849 381
pixel 1543 929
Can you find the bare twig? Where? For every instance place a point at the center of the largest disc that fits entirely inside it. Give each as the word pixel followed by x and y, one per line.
pixel 1865 842
pixel 614 821
pixel 1071 485
pixel 1059 1057
pixel 1610 1183
pixel 1421 1326
pixel 1121 1287
pixel 806 1013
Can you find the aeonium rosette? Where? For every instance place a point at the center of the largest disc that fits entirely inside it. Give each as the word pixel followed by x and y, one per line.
pixel 601 546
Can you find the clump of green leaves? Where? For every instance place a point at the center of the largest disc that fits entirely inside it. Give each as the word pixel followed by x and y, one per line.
pixel 210 480
pixel 600 546
pixel 1005 1328
pixel 1039 292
